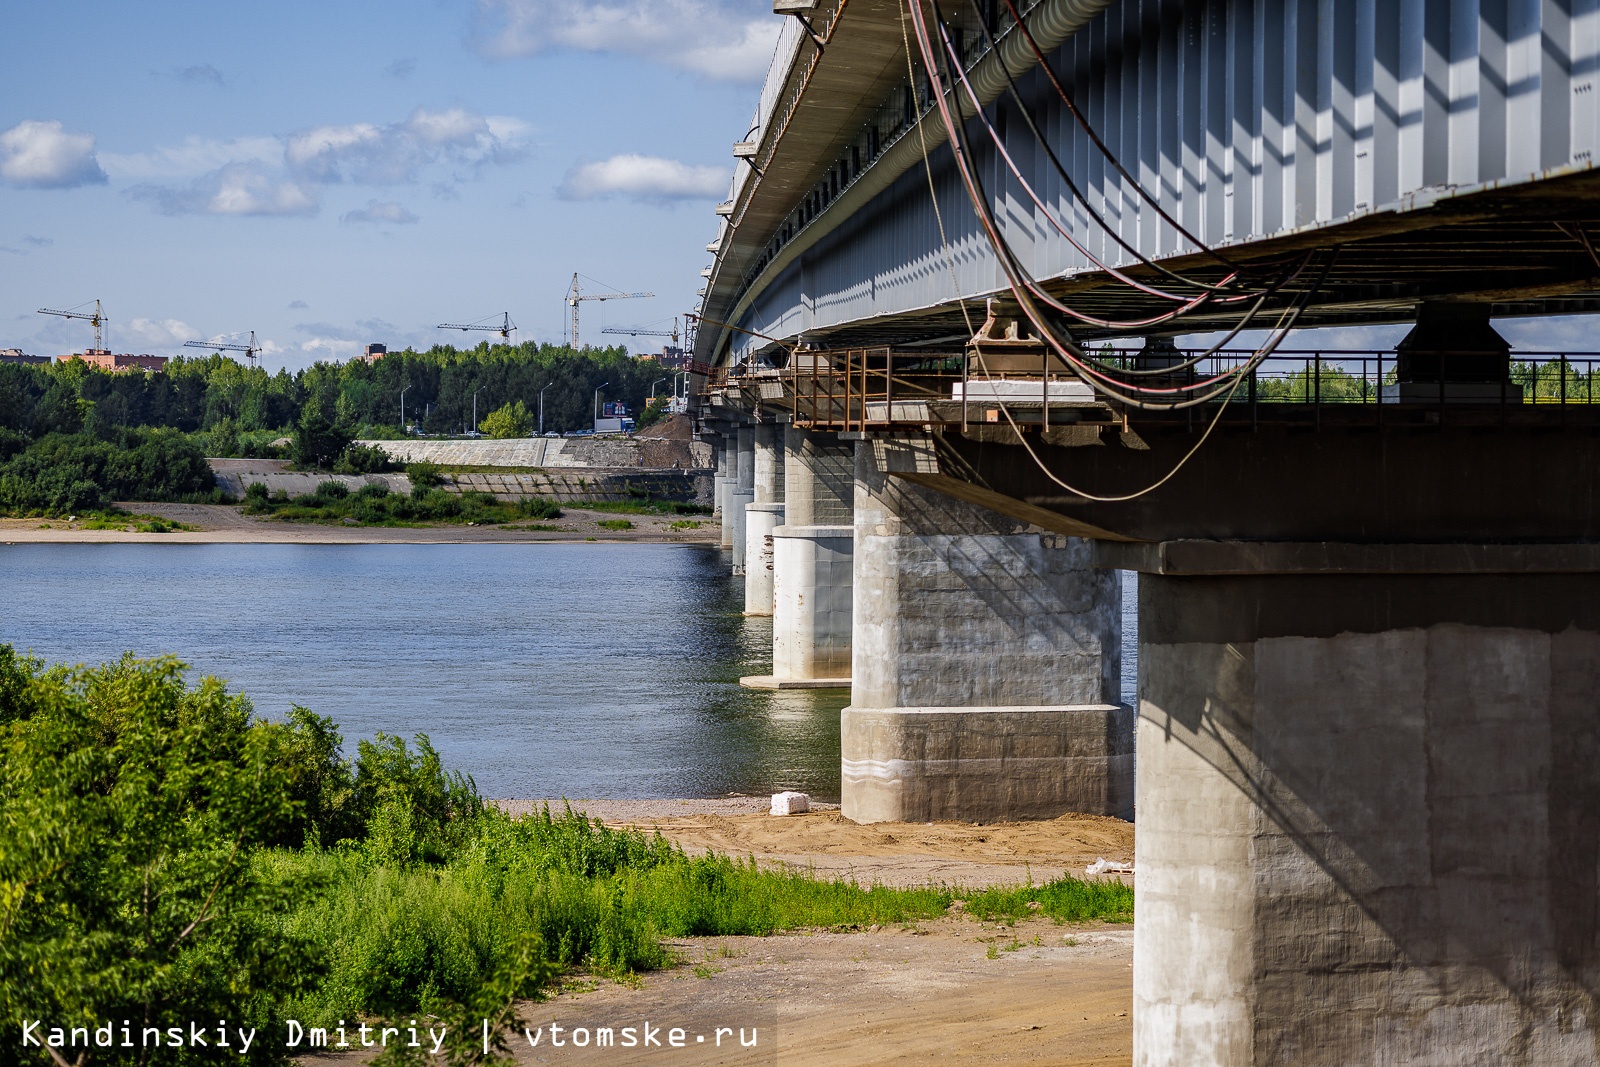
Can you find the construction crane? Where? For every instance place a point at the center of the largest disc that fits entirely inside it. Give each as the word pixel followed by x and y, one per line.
pixel 97 318
pixel 640 331
pixel 251 350
pixel 575 295
pixel 505 329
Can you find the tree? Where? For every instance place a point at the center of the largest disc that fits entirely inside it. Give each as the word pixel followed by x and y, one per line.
pixel 511 420
pixel 317 442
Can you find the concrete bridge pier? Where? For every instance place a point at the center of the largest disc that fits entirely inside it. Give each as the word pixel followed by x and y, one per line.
pixel 741 493
pixel 987 661
pixel 812 555
pixel 761 516
pixel 1369 804
pixel 727 478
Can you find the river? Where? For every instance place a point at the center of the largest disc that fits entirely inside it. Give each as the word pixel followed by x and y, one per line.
pixel 575 670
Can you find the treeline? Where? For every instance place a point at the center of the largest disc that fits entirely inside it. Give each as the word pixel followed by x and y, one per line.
pixel 214 393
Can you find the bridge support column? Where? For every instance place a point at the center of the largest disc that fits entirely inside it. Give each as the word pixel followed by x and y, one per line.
pixel 987 661
pixel 1369 806
pixel 741 493
pixel 727 480
pixel 763 515
pixel 812 567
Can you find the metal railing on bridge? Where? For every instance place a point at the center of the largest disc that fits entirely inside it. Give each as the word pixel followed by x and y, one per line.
pixel 857 390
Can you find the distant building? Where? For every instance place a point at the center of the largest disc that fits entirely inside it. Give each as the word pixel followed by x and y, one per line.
pixel 16 355
pixel 673 357
pixel 118 361
pixel 375 353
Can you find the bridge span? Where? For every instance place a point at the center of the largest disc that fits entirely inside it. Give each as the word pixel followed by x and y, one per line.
pixel 943 359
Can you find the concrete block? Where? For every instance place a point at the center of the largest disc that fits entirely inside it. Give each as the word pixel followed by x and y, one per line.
pixel 790 803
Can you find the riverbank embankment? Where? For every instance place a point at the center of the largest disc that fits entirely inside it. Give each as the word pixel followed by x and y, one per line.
pixel 227 524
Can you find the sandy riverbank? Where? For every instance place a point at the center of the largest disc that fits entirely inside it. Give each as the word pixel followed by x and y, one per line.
pixel 223 524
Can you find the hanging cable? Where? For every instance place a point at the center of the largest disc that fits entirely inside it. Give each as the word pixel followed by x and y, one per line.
pixel 1024 291
pixel 1094 137
pixel 1072 185
pixel 1194 303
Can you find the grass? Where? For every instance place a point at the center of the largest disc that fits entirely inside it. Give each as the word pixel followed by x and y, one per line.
pixel 614 524
pixel 685 524
pixel 1066 900
pixel 642 507
pixel 561 889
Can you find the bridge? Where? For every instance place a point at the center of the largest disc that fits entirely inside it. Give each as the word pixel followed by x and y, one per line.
pixel 947 353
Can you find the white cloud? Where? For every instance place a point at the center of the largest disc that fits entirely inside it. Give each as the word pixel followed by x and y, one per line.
pixel 235 189
pixel 395 154
pixel 380 211
pixel 726 40
pixel 194 157
pixel 43 155
pixel 649 178
pixel 156 333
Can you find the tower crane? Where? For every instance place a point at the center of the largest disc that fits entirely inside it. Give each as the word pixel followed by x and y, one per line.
pixel 96 317
pixel 640 331
pixel 505 329
pixel 576 295
pixel 251 351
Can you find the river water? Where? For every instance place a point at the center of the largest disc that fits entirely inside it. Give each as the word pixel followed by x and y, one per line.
pixel 592 670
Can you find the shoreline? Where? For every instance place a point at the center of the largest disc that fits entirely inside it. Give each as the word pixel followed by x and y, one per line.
pixel 226 524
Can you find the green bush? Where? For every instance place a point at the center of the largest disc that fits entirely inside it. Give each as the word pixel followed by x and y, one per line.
pixel 538 507
pixel 424 474
pixel 362 459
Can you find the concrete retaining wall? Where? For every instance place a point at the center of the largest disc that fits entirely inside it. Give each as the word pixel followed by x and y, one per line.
pixel 552 452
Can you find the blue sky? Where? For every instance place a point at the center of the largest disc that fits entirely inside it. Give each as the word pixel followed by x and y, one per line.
pixel 332 174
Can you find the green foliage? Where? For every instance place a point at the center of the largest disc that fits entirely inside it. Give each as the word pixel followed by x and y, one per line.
pixel 654 411
pixel 318 443
pixel 362 459
pixel 510 420
pixel 62 474
pixel 614 524
pixel 538 507
pixel 424 474
pixel 1066 899
pixel 130 811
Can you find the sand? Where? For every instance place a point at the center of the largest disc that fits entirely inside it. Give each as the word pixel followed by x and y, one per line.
pixel 223 524
pixel 900 854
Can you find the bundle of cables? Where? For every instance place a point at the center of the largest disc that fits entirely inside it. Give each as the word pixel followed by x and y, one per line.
pixel 948 82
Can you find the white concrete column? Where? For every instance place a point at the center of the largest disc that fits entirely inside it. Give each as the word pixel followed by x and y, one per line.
pixel 759 522
pixel 987 661
pixel 1369 816
pixel 738 501
pixel 728 480
pixel 811 565
pixel 762 516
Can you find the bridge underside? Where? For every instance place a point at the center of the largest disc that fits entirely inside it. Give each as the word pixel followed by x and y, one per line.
pixel 1523 250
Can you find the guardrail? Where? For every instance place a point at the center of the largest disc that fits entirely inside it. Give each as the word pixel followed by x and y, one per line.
pixel 853 390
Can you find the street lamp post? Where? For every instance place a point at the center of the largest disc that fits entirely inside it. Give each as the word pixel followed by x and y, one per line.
pixel 480 389
pixel 597 404
pixel 541 409
pixel 653 385
pixel 403 393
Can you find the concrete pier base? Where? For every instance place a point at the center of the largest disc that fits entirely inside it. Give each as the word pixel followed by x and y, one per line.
pixel 1369 810
pixel 812 565
pixel 759 522
pixel 986 764
pixel 987 661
